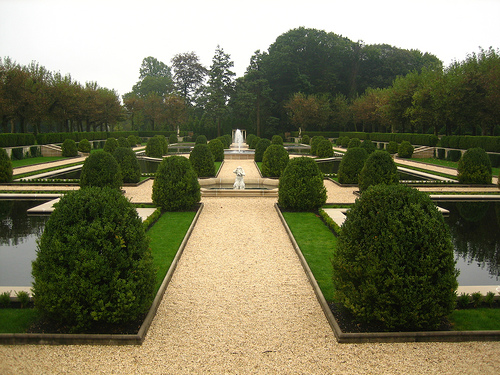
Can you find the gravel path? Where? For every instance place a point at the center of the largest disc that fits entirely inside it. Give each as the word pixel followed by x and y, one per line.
pixel 240 303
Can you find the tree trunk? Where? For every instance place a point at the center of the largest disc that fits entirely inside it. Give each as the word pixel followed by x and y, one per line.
pixel 258 117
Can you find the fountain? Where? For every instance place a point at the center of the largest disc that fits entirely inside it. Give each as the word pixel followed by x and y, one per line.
pixel 238 138
pixel 238 182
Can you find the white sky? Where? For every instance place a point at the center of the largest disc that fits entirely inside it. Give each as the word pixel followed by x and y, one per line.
pixel 106 40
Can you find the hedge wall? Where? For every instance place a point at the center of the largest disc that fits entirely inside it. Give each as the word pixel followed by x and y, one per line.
pixel 464 142
pixel 312 134
pixel 414 139
pixel 16 139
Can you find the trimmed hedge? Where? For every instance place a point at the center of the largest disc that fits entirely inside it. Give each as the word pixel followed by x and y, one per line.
pixel 464 142
pixel 274 161
pixel 102 170
pixel 277 140
pixel 202 160
pixel 351 165
pixel 394 264
pixel 6 170
pixel 176 185
pixel 154 147
pixel 260 148
pixel 129 165
pixel 84 146
pixel 111 145
pixel 69 148
pixel 474 167
pixel 315 142
pixel 379 168
pixel 93 266
pixel 217 149
pixel 405 150
pixel 301 186
pixel 17 139
pixel 324 149
pixel 414 139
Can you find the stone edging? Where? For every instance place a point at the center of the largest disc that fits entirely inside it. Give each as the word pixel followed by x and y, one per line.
pixel 104 339
pixel 378 337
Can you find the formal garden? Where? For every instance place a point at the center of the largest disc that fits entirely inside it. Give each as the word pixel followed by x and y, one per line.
pixel 390 266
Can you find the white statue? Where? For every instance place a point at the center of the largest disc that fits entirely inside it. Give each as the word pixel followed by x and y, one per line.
pixel 238 183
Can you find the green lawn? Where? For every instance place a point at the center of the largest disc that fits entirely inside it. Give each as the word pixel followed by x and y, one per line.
pixel 38 160
pixel 318 244
pixel 450 164
pixel 166 236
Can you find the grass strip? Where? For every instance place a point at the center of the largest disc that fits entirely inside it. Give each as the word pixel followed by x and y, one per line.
pixel 479 319
pixel 317 244
pixel 37 160
pixel 450 164
pixel 166 237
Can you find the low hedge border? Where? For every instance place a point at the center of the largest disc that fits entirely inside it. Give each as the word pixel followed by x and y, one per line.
pixel 382 337
pixel 104 339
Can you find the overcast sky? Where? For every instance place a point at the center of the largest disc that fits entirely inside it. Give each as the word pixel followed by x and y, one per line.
pixel 106 40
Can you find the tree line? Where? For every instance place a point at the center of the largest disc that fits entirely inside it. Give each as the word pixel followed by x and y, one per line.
pixel 307 80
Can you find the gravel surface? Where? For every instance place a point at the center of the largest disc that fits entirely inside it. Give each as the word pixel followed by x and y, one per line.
pixel 240 303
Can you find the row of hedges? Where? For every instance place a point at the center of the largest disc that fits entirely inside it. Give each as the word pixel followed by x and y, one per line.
pixel 414 139
pixel 16 139
pixel 313 134
pixel 489 144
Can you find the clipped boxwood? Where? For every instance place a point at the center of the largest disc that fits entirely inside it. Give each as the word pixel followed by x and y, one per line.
pixel 250 138
pixel 379 168
pixel 123 142
pixel 217 149
pixel 277 140
pixel 110 145
pixel 260 148
pixel 154 147
pixel 369 146
pixel 392 147
pixel 176 185
pixel 6 170
pixel 324 149
pixel 133 140
pixel 69 148
pixel 351 165
pixel 405 150
pixel 344 141
pixel 454 155
pixel 254 142
pixel 274 161
pixel 84 146
pixel 173 139
pixel 164 143
pixel 129 165
pixel 94 267
pixel 201 140
pixel 354 142
pixel 394 262
pixel 474 167
pixel 301 186
pixel 305 139
pixel 315 142
pixel 202 160
pixel 102 170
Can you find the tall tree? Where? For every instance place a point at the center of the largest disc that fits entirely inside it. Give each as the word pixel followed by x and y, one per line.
pixel 220 85
pixel 189 75
pixel 154 77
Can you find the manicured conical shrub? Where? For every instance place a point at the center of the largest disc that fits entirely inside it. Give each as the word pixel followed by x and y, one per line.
pixel 474 167
pixel 379 168
pixel 202 160
pixel 274 161
pixel 6 169
pixel 129 165
pixel 102 170
pixel 351 165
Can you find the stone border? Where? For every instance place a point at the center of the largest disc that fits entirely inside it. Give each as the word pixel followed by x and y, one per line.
pixel 104 339
pixel 382 337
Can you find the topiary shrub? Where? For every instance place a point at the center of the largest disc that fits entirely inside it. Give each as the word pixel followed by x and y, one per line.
pixel 394 262
pixel 351 165
pixel 474 167
pixel 277 140
pixel 69 148
pixel 217 149
pixel 305 139
pixel 354 142
pixel 110 145
pixel 392 147
pixel 202 160
pixel 122 142
pixel 164 143
pixel 254 142
pixel 176 186
pixel 201 140
pixel 225 141
pixel 172 139
pixel 344 142
pixel 6 170
pixel 301 186
pixel 17 153
pixel 94 267
pixel 260 148
pixel 379 168
pixel 84 146
pixel 324 149
pixel 154 147
pixel 132 140
pixel 369 146
pixel 129 165
pixel 102 170
pixel 315 142
pixel 405 150
pixel 249 139
pixel 441 152
pixel 274 161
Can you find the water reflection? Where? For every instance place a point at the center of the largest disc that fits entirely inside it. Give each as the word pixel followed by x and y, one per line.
pixel 475 228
